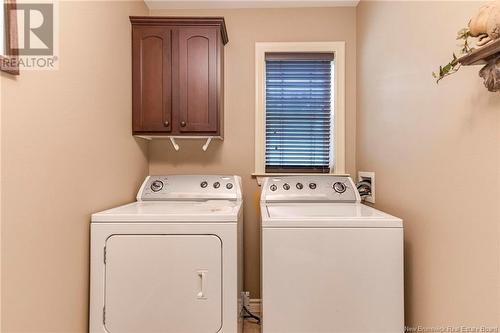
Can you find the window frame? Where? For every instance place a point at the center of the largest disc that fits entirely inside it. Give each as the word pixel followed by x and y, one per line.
pixel 338 95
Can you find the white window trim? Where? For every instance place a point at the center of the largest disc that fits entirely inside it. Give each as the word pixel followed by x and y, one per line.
pixel 338 124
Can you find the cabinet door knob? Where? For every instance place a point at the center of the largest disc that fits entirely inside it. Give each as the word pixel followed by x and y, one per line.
pixel 183 124
pixel 166 123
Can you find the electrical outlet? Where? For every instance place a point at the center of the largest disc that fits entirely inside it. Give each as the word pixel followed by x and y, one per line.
pixel 245 298
pixel 370 177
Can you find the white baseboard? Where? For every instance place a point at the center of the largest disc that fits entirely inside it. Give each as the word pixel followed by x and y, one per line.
pixel 254 305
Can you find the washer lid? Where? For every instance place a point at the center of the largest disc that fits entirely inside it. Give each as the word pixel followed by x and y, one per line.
pixel 172 211
pixel 326 215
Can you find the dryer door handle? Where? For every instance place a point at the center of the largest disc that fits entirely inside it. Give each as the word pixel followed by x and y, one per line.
pixel 202 275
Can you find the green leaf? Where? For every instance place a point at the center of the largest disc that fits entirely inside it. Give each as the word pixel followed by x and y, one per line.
pixel 463 33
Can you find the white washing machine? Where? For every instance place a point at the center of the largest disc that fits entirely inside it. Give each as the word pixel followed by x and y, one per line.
pixel 170 262
pixel 329 263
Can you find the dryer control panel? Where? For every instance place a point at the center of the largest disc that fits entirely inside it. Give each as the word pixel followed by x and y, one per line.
pixel 190 187
pixel 324 188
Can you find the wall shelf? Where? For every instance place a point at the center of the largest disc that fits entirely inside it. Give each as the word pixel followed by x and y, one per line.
pixel 173 138
pixel 481 55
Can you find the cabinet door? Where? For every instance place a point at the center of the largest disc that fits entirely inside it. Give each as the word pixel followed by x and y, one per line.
pixel 163 283
pixel 198 76
pixel 151 79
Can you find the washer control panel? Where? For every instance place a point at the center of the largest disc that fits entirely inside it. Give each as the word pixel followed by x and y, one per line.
pixel 322 188
pixel 190 187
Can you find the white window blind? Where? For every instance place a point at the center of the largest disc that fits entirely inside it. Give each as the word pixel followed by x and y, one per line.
pixel 298 112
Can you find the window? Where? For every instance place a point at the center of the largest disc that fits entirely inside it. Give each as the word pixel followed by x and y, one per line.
pixel 298 112
pixel 299 108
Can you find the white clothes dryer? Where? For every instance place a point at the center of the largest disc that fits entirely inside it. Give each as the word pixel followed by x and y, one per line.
pixel 170 262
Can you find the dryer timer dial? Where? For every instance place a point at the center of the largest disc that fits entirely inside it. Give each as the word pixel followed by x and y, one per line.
pixel 156 186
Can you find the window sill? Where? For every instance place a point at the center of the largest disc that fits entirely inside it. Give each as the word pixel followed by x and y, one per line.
pixel 260 177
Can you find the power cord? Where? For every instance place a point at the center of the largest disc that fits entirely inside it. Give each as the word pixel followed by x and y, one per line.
pixel 364 188
pixel 248 315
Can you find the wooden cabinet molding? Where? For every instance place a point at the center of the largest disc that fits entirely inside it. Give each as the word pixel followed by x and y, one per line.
pixel 180 21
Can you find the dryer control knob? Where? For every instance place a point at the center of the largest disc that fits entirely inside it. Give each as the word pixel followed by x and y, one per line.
pixel 273 187
pixel 339 187
pixel 216 185
pixel 157 185
pixel 299 186
pixel 203 184
pixel 286 186
pixel 312 186
pixel 229 186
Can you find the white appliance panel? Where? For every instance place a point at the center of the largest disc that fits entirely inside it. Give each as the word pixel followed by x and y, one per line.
pixel 163 283
pixel 190 187
pixel 232 264
pixel 313 188
pixel 345 280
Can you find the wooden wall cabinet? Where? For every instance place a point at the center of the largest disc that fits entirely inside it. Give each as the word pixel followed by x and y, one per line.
pixel 178 75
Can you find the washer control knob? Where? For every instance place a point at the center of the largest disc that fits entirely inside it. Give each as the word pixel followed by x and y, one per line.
pixel 229 186
pixel 299 186
pixel 339 187
pixel 216 185
pixel 203 184
pixel 156 186
pixel 312 186
pixel 286 186
pixel 273 187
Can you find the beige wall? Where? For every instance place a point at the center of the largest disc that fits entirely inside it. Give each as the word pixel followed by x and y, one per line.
pixel 435 151
pixel 66 152
pixel 236 154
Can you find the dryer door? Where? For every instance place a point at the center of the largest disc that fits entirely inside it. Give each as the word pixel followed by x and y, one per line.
pixel 163 283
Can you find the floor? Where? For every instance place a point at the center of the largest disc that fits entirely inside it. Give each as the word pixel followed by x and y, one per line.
pixel 249 327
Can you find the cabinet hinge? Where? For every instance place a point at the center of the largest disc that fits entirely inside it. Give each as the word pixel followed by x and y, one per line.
pixel 105 255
